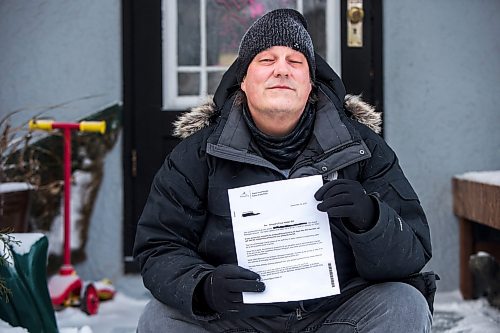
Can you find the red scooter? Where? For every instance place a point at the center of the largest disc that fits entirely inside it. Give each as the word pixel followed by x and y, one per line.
pixel 66 288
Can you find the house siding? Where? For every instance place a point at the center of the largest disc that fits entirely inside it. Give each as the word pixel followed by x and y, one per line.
pixel 442 104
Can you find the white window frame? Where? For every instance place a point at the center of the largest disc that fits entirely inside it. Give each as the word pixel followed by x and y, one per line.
pixel 171 101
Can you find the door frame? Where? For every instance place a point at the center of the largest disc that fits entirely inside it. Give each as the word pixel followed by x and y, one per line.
pixel 142 94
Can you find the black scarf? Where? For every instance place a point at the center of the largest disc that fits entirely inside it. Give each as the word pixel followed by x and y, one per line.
pixel 283 151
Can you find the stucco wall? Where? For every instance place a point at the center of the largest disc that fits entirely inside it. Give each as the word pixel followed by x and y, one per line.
pixel 57 51
pixel 442 104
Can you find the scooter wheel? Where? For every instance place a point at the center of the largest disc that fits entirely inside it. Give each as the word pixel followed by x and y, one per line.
pixel 89 300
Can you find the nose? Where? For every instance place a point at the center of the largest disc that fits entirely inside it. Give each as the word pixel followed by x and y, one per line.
pixel 281 67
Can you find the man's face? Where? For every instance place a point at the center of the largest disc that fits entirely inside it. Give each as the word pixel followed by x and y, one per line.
pixel 277 83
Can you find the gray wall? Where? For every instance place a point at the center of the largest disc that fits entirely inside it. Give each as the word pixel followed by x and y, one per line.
pixel 442 104
pixel 55 51
pixel 58 51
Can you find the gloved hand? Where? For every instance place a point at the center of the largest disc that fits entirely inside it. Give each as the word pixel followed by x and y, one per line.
pixel 222 288
pixel 347 199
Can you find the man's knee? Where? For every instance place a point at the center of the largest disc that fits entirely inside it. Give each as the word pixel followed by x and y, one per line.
pixel 409 297
pixel 150 318
pixel 157 317
pixel 386 307
pixel 406 307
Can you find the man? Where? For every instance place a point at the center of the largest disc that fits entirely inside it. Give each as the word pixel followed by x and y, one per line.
pixel 279 113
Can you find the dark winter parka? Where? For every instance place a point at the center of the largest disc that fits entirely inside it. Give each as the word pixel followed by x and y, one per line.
pixel 185 229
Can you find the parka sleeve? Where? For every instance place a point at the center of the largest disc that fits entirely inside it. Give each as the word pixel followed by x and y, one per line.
pixel 170 228
pixel 399 243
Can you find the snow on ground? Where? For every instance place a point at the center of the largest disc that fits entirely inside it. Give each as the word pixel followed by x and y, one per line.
pixel 120 315
pixel 79 184
pixel 454 315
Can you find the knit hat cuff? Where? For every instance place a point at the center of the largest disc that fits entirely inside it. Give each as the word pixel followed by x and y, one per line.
pixel 280 27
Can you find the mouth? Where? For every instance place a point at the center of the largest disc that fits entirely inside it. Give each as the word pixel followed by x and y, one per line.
pixel 281 87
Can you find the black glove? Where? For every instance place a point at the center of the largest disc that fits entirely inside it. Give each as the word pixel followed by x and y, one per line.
pixel 347 199
pixel 222 288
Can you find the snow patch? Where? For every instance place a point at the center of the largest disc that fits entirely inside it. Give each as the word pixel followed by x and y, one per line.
pixel 485 177
pixel 475 316
pixel 22 245
pixel 26 241
pixel 79 185
pixel 84 329
pixel 5 327
pixel 15 187
pixel 6 252
pixel 120 314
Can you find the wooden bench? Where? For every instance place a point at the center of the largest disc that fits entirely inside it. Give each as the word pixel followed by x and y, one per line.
pixel 476 201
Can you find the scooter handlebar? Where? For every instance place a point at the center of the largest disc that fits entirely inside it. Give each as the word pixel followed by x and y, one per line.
pixel 93 126
pixel 44 125
pixel 83 126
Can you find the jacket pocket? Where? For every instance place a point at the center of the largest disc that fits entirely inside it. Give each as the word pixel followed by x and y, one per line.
pixel 400 195
pixel 403 189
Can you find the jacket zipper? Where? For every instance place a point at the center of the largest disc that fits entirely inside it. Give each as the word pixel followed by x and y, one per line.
pixel 298 312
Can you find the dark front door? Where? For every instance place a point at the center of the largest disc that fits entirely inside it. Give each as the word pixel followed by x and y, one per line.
pixel 361 42
pixel 148 128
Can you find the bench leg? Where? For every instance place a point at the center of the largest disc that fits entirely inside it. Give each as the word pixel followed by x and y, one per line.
pixel 466 249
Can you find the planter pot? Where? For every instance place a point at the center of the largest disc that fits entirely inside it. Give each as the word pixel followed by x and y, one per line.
pixel 15 206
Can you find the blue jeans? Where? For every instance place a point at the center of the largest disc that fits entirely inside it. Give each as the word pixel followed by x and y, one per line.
pixel 384 307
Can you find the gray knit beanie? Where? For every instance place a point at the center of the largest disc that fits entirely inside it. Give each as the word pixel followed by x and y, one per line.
pixel 280 27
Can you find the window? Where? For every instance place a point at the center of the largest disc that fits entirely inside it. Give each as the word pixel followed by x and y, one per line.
pixel 201 40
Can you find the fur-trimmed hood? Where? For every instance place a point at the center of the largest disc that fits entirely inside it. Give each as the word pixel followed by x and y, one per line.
pixel 202 116
pixel 326 80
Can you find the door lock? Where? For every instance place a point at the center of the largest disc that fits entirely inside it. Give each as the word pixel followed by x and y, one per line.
pixel 355 15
